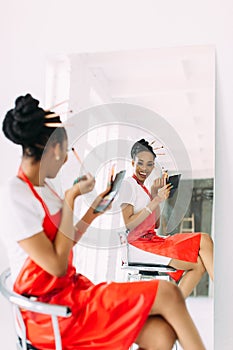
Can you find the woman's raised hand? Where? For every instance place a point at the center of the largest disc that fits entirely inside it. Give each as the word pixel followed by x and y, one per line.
pixel 91 214
pixel 164 192
pixel 158 184
pixel 98 199
pixel 85 184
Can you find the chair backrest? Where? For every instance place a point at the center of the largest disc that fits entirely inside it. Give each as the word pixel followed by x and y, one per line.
pixel 124 248
pixel 19 301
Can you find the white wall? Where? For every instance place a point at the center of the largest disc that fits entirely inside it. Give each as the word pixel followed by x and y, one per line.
pixel 31 30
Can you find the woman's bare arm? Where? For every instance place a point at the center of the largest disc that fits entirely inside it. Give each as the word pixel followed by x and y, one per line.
pixel 53 256
pixel 132 219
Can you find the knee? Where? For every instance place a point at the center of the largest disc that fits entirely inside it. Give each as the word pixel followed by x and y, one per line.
pixel 170 293
pixel 206 239
pixel 200 266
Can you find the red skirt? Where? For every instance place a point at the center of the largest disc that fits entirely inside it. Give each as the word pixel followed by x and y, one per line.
pixel 107 316
pixel 104 316
pixel 180 246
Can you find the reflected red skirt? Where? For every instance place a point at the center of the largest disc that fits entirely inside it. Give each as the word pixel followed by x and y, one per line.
pixel 181 246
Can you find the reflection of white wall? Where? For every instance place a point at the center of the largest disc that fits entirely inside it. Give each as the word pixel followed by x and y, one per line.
pixel 33 30
pixel 178 83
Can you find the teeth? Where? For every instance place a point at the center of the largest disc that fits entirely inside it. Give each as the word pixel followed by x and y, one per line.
pixel 143 174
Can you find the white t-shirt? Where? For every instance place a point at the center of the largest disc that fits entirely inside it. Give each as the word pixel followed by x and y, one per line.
pixel 21 216
pixel 132 193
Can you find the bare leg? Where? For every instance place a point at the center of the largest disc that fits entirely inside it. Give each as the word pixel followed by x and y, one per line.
pixel 156 334
pixel 170 305
pixel 206 253
pixel 193 274
pixel 194 271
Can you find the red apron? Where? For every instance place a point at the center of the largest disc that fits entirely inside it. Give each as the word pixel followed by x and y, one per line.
pixel 181 246
pixel 104 316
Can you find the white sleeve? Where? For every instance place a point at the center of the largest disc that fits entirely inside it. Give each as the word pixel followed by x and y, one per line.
pixel 127 193
pixel 21 215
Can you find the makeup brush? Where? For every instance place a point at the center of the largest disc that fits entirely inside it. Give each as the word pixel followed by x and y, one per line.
pixel 83 177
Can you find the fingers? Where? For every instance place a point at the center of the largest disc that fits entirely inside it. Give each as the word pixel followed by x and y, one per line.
pixel 79 178
pixel 90 182
pixel 82 178
pixel 167 186
pixel 164 178
pixel 160 182
pixel 110 182
pixel 165 191
pixel 105 192
pixel 85 183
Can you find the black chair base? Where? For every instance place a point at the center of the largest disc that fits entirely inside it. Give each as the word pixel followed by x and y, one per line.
pixel 29 346
pixel 148 273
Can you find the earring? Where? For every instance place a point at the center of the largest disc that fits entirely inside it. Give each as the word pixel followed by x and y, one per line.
pixel 57 158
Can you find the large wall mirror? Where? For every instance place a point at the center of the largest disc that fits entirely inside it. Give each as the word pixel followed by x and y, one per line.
pixel 177 84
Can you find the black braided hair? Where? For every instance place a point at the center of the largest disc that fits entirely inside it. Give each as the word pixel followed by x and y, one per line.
pixel 141 146
pixel 25 125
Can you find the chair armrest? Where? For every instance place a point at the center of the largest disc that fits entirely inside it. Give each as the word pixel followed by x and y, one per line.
pixel 150 267
pixel 32 305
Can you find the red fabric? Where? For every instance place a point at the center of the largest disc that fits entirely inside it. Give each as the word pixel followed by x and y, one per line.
pixel 143 186
pixel 181 246
pixel 147 226
pixel 104 316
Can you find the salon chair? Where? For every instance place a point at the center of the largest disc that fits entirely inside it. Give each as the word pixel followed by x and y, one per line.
pixel 141 270
pixel 19 302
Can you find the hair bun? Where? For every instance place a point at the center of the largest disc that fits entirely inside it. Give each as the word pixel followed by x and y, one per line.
pixel 144 142
pixel 23 124
pixel 26 104
pixel 140 146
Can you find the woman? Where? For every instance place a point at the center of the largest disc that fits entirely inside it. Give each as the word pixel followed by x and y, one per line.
pixel 40 237
pixel 190 253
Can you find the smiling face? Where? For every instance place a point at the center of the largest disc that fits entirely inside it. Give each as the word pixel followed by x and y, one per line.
pixel 143 165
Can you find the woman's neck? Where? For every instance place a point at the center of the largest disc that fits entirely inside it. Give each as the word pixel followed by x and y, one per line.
pixel 33 171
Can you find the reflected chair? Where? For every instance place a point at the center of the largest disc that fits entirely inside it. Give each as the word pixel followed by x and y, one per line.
pixel 141 270
pixel 19 302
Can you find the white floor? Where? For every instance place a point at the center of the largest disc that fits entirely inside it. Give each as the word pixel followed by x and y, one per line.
pixel 202 312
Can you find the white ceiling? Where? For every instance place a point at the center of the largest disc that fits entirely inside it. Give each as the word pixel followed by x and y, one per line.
pixel 177 83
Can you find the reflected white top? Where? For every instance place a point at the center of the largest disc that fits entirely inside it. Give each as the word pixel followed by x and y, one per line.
pixel 132 193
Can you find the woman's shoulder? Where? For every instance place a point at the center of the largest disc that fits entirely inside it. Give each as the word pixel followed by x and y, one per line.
pixel 15 193
pixel 15 187
pixel 128 184
pixel 129 180
pixel 127 193
pixel 21 214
